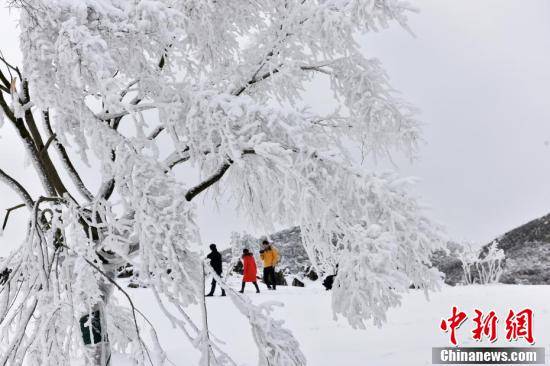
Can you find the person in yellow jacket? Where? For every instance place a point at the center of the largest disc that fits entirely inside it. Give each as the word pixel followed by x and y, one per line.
pixel 270 257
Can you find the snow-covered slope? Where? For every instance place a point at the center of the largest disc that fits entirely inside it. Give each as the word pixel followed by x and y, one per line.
pixel 527 251
pixel 407 338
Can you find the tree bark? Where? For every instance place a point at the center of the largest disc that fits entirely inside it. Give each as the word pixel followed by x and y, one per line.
pixel 99 344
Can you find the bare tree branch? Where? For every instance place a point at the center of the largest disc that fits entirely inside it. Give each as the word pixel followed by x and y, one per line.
pixel 8 212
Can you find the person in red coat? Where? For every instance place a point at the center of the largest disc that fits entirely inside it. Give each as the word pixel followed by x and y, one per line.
pixel 249 270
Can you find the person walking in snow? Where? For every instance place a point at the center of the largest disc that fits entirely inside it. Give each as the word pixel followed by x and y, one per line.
pixel 216 263
pixel 270 258
pixel 249 270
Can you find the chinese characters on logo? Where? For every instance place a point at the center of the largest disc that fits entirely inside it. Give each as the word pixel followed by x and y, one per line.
pixel 518 325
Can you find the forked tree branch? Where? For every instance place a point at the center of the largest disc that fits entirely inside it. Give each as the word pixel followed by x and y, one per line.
pixel 65 159
pixel 10 66
pixel 32 139
pixel 42 155
pixel 8 212
pixel 30 146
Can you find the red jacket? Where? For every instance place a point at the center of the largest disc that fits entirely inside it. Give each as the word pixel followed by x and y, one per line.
pixel 249 268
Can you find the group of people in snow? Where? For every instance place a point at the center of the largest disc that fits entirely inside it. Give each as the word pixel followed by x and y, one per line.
pixel 269 256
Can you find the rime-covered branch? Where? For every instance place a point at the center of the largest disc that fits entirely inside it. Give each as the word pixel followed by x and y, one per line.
pixel 64 156
pixel 17 188
pixel 193 192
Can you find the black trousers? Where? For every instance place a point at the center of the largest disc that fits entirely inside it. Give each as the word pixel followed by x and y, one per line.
pixel 269 277
pixel 213 286
pixel 255 285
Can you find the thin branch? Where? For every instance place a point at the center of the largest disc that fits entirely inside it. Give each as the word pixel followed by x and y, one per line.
pixel 256 80
pixel 18 188
pixel 10 66
pixel 153 135
pixel 106 116
pixel 2 87
pixel 316 68
pixel 8 211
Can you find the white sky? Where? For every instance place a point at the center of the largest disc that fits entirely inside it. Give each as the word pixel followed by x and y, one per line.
pixel 479 72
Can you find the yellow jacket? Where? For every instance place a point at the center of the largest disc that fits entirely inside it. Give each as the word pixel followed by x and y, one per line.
pixel 270 257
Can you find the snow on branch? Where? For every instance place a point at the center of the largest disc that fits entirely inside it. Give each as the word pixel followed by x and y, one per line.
pixel 17 188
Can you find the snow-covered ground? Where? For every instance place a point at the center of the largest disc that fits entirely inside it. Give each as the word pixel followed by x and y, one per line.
pixel 406 339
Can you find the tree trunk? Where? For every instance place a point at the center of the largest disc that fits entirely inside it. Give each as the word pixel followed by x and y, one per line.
pixel 205 334
pixel 93 327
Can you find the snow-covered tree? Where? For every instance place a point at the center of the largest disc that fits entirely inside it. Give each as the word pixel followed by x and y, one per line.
pixel 237 243
pixel 146 86
pixel 483 265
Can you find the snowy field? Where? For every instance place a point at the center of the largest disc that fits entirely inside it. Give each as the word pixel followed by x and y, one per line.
pixel 406 339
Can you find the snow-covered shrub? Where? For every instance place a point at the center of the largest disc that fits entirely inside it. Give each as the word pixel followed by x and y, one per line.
pixel 484 265
pixel 468 257
pixel 490 264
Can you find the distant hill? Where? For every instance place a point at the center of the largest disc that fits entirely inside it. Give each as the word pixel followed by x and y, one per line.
pixel 527 251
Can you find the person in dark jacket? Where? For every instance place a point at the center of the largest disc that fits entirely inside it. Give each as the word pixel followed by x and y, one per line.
pixel 216 263
pixel 329 281
pixel 249 270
